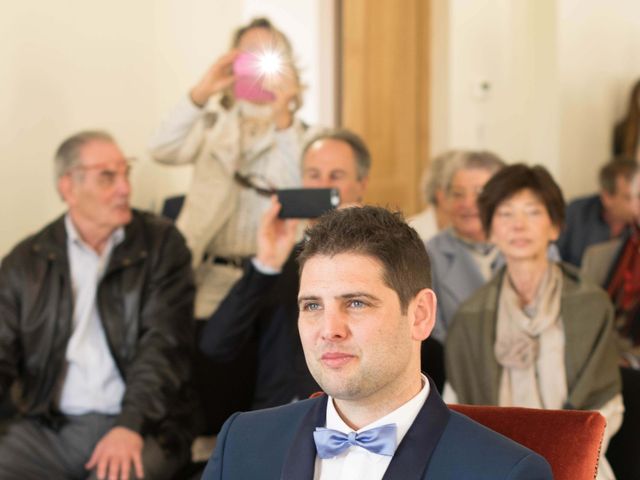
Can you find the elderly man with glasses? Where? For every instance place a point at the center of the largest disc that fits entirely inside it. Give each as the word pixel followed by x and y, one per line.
pixel 96 316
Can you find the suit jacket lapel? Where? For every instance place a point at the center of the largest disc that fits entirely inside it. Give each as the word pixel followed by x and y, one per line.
pixel 414 452
pixel 300 461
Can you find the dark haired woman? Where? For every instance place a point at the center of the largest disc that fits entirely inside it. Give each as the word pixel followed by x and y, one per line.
pixel 536 335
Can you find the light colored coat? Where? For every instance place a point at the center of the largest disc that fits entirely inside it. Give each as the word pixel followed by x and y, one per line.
pixel 219 217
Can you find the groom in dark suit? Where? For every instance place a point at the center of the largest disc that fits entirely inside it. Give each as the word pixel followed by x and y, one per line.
pixel 365 307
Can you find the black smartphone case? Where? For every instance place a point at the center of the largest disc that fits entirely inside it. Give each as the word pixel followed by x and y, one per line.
pixel 307 202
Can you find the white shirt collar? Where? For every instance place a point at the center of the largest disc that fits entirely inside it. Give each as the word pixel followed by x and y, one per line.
pixel 403 416
pixel 74 236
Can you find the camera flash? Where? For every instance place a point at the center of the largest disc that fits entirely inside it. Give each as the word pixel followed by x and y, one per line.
pixel 269 63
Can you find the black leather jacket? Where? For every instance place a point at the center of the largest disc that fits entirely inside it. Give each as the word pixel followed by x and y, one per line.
pixel 145 300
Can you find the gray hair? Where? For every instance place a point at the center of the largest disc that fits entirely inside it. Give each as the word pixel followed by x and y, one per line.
pixel 433 176
pixel 68 153
pixel 358 147
pixel 470 160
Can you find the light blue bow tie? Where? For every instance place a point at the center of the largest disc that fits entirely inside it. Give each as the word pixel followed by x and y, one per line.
pixel 380 440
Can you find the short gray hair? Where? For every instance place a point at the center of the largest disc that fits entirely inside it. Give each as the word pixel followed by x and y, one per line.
pixel 358 147
pixel 471 160
pixel 433 176
pixel 68 153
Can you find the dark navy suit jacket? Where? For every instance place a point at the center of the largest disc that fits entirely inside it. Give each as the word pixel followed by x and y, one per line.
pixel 440 445
pixel 584 226
pixel 263 308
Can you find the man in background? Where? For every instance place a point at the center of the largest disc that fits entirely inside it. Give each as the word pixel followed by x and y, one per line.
pixel 599 217
pixel 96 328
pixel 262 306
pixel 615 265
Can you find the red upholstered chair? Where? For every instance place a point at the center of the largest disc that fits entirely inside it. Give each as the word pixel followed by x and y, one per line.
pixel 569 439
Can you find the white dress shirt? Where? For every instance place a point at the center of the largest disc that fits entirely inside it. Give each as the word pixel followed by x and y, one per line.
pixel 92 382
pixel 425 223
pixel 357 463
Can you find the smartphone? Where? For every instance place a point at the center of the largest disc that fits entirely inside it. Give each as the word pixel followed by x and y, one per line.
pixel 248 85
pixel 307 202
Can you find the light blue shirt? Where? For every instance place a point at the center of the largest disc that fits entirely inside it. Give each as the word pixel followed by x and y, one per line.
pixel 92 382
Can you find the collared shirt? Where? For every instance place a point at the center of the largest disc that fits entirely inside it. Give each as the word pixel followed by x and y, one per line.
pixel 263 268
pixel 356 462
pixel 92 382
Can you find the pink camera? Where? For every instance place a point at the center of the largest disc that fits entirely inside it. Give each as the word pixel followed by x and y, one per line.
pixel 248 84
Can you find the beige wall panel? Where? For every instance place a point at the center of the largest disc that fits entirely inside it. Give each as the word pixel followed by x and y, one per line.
pixel 385 93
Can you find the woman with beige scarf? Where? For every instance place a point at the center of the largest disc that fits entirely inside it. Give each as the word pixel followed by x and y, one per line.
pixel 537 335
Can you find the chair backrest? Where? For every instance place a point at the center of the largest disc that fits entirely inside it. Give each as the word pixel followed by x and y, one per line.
pixel 625 445
pixel 172 206
pixel 569 440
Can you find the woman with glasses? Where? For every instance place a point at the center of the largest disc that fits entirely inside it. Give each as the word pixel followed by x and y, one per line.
pixel 536 335
pixel 238 127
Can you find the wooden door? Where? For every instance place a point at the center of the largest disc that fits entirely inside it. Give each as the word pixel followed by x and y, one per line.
pixel 383 92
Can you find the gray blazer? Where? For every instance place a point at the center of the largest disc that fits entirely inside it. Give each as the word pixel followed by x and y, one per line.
pixel 599 259
pixel 454 275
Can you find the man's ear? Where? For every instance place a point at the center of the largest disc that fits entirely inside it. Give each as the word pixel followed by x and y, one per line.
pixel 422 311
pixel 363 188
pixel 65 188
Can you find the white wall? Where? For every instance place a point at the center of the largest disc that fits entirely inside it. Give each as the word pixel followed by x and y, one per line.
pixel 117 65
pixel 559 73
pixel 507 46
pixel 599 58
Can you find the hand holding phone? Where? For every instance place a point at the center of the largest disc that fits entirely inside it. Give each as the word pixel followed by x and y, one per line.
pixel 307 202
pixel 276 237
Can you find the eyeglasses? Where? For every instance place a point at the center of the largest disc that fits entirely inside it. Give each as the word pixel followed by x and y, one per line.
pixel 257 183
pixel 107 173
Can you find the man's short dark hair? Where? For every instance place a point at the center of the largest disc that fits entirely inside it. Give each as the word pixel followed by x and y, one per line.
pixel 377 233
pixel 358 147
pixel 618 167
pixel 515 178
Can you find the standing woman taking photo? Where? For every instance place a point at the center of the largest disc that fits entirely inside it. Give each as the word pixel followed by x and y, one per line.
pixel 238 127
